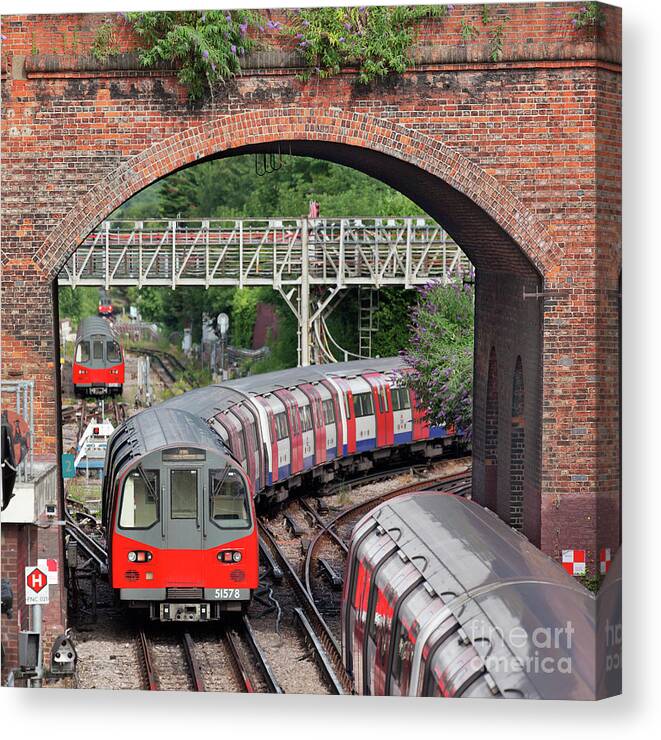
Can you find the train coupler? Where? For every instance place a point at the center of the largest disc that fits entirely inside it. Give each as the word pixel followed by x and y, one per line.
pixel 175 612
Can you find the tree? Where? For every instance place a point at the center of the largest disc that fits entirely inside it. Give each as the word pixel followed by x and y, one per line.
pixel 440 354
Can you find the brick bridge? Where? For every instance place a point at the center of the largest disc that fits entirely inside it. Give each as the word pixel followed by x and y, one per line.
pixel 502 154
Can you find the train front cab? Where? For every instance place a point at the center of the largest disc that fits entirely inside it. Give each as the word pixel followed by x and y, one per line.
pixel 398 637
pixel 184 542
pixel 98 367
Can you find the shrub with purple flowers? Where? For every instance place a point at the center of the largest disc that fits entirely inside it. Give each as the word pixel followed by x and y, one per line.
pixel 375 39
pixel 205 46
pixel 440 354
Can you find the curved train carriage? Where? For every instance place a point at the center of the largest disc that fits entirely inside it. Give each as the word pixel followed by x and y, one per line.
pixel 441 598
pixel 98 365
pixel 277 428
pixel 312 420
pixel 179 517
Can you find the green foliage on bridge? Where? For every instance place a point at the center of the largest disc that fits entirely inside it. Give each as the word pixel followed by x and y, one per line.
pixel 206 46
pixel 375 40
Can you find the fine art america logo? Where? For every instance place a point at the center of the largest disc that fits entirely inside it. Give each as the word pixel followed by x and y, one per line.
pixel 544 650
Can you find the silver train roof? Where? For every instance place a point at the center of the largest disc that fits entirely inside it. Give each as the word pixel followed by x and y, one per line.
pixel 205 402
pixel 516 605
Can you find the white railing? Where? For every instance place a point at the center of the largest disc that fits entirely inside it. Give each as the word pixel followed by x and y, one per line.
pixel 241 252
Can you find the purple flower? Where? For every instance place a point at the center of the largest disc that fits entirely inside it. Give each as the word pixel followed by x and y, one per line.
pixel 228 18
pixel 574 21
pixel 305 23
pixel 450 8
pixel 203 17
pixel 233 48
pixel 273 24
pixel 2 37
pixel 205 54
pixel 261 28
pixel 243 27
pixel 341 39
pixel 299 36
pixel 362 8
pixel 304 44
pixel 213 66
pixel 125 16
pixel 347 25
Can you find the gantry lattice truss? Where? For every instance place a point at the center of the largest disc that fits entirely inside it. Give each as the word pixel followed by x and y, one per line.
pixel 299 257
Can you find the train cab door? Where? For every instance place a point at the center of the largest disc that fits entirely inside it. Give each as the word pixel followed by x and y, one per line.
pixel 183 510
pixel 97 359
pixel 346 400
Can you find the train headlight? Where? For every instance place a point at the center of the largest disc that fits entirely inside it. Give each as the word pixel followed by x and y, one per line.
pixel 139 556
pixel 229 556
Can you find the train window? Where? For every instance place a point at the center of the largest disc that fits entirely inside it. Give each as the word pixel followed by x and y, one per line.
pixel 183 494
pixel 400 398
pixel 140 505
pixel 83 351
pixel 228 501
pixel 363 404
pixel 113 353
pixel 329 411
pixel 281 429
pixel 306 418
pixel 97 349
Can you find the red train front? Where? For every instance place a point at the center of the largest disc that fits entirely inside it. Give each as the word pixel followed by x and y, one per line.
pixel 180 519
pixel 98 365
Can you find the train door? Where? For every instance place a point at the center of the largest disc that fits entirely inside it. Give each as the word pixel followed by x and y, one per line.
pixel 295 434
pixel 182 512
pixel 419 415
pixel 401 412
pixel 335 425
pixel 318 422
pixel 272 460
pixel 382 409
pixel 97 360
pixel 251 443
pixel 345 399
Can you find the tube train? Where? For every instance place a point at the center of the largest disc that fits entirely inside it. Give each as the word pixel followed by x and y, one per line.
pixel 98 365
pixel 105 307
pixel 181 479
pixel 442 598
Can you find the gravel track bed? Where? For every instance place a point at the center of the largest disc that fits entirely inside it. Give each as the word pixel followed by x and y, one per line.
pixel 169 661
pixel 215 661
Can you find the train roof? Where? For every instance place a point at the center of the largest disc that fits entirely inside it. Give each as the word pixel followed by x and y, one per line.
pixel 94 325
pixel 158 427
pixel 222 396
pixel 496 582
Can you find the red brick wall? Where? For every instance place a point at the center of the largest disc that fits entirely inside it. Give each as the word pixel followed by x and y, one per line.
pixel 503 154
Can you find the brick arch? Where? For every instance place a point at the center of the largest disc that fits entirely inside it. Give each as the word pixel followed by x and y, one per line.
pixel 442 180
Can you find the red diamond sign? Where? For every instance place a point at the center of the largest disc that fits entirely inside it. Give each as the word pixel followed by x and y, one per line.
pixel 36 586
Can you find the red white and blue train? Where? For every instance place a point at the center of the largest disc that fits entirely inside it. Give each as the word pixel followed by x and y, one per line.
pixel 173 470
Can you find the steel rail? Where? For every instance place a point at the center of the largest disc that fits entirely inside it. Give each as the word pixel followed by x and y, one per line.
pixel 326 638
pixel 192 662
pixel 153 683
pixel 239 665
pixel 265 668
pixel 322 657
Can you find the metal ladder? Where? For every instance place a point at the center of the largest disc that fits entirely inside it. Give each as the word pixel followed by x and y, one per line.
pixel 367 323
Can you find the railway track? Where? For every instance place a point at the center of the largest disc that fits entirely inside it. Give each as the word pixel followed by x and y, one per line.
pixel 166 366
pixel 198 663
pixel 458 483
